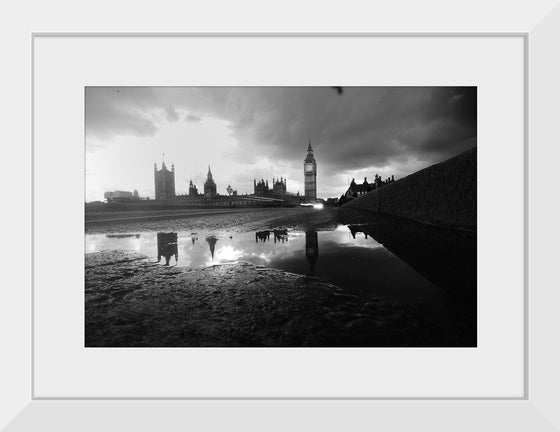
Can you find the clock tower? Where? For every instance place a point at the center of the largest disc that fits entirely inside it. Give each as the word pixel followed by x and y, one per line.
pixel 310 174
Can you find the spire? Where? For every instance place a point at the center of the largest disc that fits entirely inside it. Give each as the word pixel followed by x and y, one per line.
pixel 212 243
pixel 309 158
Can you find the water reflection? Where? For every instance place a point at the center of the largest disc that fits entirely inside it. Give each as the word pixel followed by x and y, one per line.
pixel 311 250
pixel 123 235
pixel 262 236
pixel 212 240
pixel 280 236
pixel 446 257
pixel 351 256
pixel 167 247
pixel 354 229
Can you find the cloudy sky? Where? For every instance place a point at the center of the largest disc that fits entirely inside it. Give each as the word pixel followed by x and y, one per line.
pixel 251 132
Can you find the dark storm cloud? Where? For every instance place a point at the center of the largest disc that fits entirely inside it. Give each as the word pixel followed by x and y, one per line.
pixel 112 111
pixel 363 127
pixel 350 129
pixel 170 114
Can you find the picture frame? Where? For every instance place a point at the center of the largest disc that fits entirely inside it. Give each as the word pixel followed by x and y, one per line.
pixel 534 410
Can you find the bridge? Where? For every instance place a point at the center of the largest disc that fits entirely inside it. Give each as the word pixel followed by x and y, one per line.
pixel 259 198
pixel 287 199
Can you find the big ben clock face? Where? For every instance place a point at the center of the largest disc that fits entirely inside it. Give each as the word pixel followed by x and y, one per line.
pixel 308 168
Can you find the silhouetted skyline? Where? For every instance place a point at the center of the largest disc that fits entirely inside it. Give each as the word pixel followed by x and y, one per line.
pixel 252 132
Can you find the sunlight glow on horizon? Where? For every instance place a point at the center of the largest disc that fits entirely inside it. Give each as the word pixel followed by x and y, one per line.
pixel 127 162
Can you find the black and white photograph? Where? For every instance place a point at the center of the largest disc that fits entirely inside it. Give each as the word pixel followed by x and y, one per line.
pixel 280 216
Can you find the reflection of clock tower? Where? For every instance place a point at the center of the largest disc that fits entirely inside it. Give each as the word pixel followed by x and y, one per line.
pixel 310 173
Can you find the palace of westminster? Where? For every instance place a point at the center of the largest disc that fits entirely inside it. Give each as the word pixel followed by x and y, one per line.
pixel 276 192
pixel 264 193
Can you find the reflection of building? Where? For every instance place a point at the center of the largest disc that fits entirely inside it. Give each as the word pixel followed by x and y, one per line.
pixel 164 182
pixel 310 174
pixel 280 236
pixel 311 249
pixel 262 236
pixel 212 243
pixel 356 229
pixel 209 186
pixel 194 238
pixel 167 246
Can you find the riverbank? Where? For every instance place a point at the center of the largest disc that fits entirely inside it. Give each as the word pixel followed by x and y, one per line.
pixel 214 221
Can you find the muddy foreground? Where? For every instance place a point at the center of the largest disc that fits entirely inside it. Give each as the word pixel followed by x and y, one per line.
pixel 132 302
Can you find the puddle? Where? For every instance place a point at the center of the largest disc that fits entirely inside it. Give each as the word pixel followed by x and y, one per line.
pixel 344 256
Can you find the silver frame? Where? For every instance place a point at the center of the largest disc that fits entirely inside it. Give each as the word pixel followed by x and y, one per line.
pixel 525 37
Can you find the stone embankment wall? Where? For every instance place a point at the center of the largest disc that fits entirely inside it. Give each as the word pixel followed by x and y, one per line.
pixel 443 194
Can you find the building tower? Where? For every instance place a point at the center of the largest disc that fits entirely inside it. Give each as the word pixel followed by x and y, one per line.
pixel 167 246
pixel 310 174
pixel 279 186
pixel 209 186
pixel 260 187
pixel 193 191
pixel 212 240
pixel 164 182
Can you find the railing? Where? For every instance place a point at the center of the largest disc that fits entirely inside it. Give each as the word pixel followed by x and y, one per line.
pixel 258 198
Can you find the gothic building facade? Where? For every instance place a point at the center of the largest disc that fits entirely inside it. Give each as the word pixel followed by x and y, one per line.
pixel 164 182
pixel 279 186
pixel 209 186
pixel 310 175
pixel 261 187
pixel 275 195
pixel 193 191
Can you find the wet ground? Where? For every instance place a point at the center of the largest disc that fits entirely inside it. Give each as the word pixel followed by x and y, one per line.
pixel 279 277
pixel 209 221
